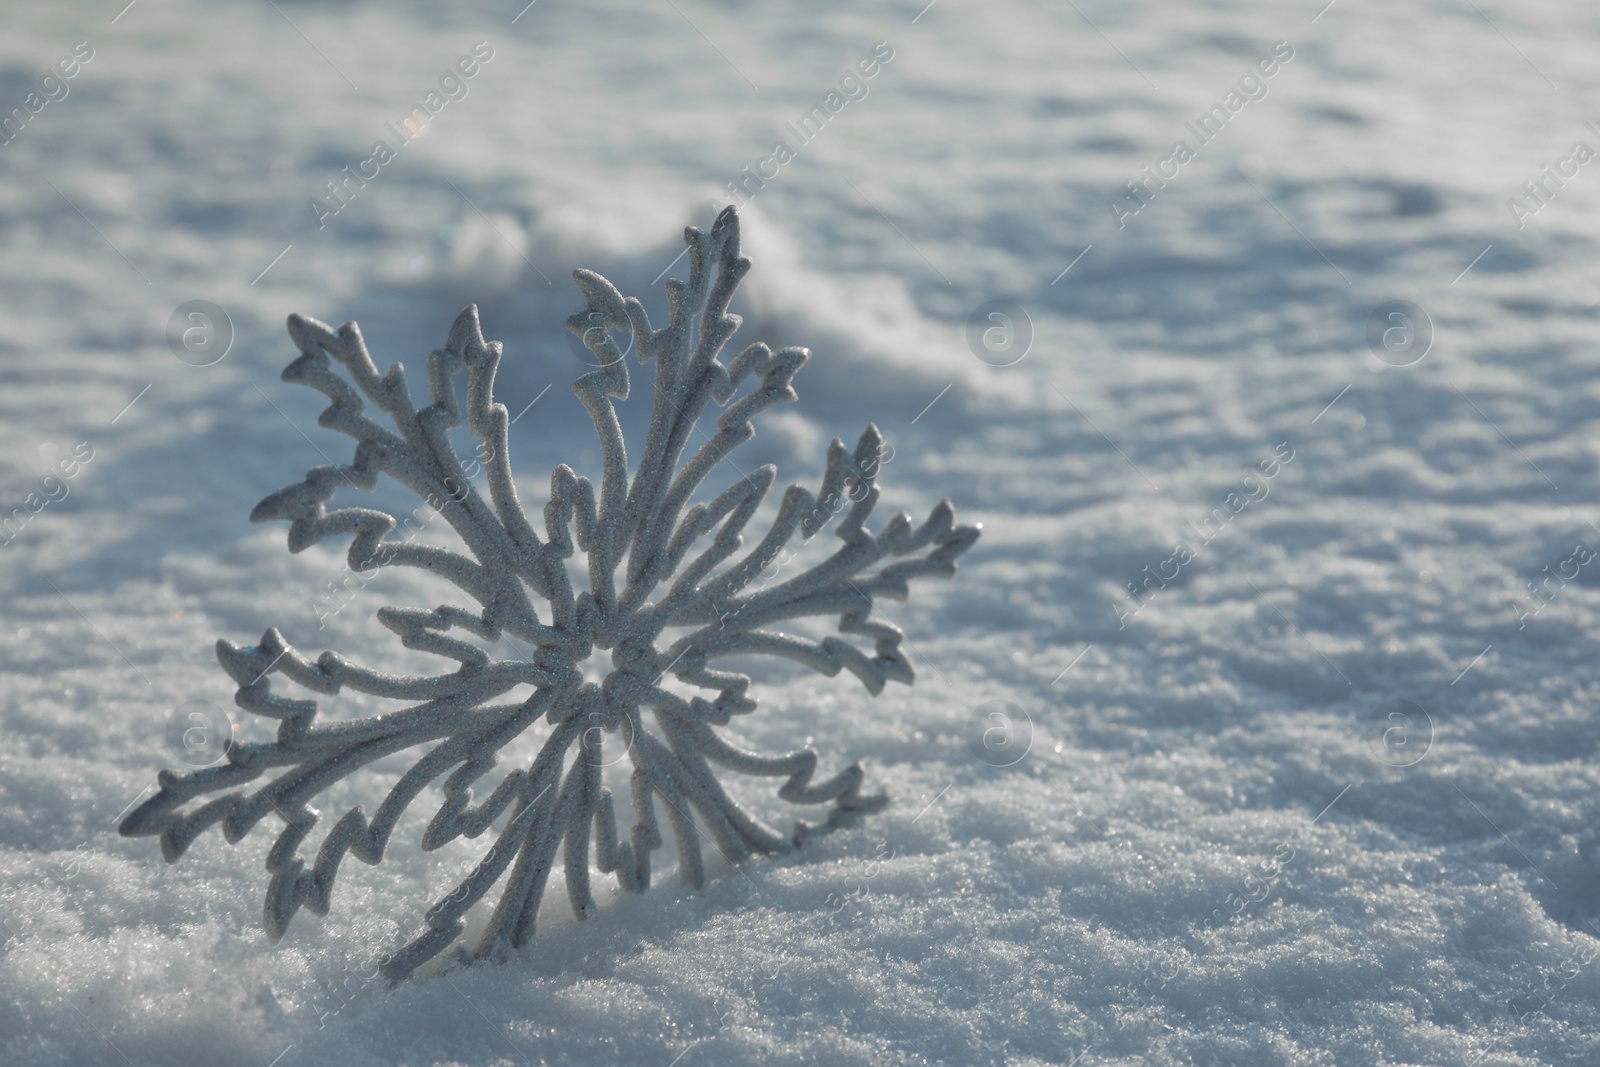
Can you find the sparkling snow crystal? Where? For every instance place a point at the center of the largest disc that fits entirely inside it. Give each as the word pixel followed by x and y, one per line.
pixel 682 555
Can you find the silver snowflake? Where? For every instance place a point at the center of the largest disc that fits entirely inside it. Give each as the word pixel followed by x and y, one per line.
pixel 644 525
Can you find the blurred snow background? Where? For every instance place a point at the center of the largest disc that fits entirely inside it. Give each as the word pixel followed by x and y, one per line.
pixel 1422 891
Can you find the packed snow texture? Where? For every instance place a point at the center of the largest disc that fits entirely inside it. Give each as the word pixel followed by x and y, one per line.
pixel 1197 833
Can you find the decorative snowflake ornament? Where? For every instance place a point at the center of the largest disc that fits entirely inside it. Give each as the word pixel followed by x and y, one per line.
pixel 668 595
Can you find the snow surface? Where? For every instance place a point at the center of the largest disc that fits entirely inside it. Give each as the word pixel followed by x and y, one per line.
pixel 1216 747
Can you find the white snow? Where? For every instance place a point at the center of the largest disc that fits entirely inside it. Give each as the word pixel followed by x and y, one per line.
pixel 1215 748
